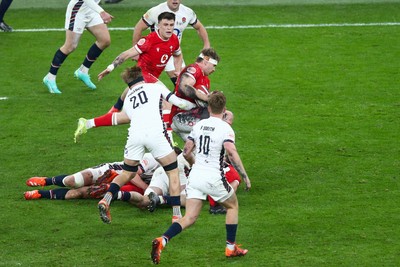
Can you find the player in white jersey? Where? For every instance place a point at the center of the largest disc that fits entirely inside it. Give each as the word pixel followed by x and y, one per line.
pixel 209 139
pixel 103 173
pixel 142 106
pixel 81 15
pixel 184 16
pixel 88 183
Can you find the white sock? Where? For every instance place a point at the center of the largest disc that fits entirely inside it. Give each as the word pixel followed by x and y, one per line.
pixel 230 246
pixel 176 211
pixel 164 241
pixel 51 77
pixel 90 124
pixel 84 69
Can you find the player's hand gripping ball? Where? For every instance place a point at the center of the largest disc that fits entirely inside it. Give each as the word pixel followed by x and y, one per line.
pixel 202 89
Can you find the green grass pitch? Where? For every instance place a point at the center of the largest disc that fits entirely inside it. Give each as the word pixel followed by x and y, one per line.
pixel 317 124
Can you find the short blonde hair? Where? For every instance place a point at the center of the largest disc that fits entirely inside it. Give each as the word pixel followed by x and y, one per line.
pixel 217 102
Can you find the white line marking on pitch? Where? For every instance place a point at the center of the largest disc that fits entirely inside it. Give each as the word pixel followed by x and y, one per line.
pixel 245 26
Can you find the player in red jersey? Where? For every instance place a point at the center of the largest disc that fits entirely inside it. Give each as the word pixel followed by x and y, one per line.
pixel 154 51
pixel 195 76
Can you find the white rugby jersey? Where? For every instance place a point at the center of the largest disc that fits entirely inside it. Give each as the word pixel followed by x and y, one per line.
pixel 209 136
pixel 143 106
pixel 183 17
pixel 149 165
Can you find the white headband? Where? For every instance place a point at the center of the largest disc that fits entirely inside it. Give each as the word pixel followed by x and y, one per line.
pixel 209 59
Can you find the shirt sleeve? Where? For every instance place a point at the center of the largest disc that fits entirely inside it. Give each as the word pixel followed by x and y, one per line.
pixel 142 45
pixel 150 17
pixel 177 51
pixel 193 17
pixel 229 135
pixel 177 101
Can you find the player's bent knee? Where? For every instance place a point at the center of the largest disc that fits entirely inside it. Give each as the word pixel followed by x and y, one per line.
pixel 78 179
pixel 130 168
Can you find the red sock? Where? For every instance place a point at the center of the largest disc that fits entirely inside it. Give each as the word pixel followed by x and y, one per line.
pixel 113 109
pixel 212 201
pixel 105 120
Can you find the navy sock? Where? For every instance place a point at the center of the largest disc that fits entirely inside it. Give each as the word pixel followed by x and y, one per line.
pixel 167 200
pixel 59 193
pixel 114 188
pixel 4 5
pixel 93 53
pixel 231 233
pixel 175 200
pixel 125 196
pixel 173 230
pixel 119 104
pixel 56 180
pixel 58 59
pixel 45 193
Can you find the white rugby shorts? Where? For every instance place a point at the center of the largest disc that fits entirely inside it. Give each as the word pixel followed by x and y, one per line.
pixel 205 182
pixel 156 143
pixel 170 65
pixel 84 18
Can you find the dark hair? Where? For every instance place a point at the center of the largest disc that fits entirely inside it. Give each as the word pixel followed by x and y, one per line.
pixel 167 16
pixel 209 52
pixel 217 102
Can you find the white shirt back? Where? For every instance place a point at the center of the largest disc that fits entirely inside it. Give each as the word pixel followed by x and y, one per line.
pixel 143 106
pixel 209 136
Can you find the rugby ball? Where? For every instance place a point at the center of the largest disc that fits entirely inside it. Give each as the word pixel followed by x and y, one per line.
pixel 202 89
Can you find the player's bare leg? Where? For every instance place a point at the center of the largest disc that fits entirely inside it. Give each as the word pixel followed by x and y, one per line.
pixel 170 166
pixel 103 40
pixel 130 169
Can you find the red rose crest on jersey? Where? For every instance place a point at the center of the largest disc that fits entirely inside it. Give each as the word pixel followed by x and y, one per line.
pixel 141 41
pixel 183 19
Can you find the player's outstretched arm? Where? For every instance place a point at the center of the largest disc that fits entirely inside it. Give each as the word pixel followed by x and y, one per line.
pixel 130 53
pixel 175 100
pixel 236 162
pixel 202 32
pixel 188 151
pixel 140 27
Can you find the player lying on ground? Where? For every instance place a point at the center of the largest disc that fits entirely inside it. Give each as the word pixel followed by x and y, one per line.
pixel 98 179
pixel 103 173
